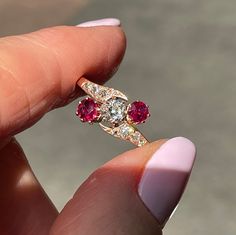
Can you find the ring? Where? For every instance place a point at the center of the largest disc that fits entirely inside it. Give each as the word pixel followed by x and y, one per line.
pixel 111 109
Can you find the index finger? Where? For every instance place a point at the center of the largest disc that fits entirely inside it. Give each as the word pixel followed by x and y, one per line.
pixel 39 71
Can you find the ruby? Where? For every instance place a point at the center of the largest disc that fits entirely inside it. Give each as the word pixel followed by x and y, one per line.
pixel 87 110
pixel 138 112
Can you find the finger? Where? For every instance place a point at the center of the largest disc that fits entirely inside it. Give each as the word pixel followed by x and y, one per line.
pixel 24 206
pixel 133 194
pixel 39 71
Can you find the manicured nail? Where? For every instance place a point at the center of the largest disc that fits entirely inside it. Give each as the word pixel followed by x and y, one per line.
pixel 165 177
pixel 101 22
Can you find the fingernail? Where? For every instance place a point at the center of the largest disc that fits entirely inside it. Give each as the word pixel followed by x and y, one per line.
pixel 165 177
pixel 101 22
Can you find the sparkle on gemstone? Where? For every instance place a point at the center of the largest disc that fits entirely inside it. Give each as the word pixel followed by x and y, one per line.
pixel 88 110
pixel 138 112
pixel 114 110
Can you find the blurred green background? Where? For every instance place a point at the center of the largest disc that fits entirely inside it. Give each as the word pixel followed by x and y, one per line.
pixel 180 59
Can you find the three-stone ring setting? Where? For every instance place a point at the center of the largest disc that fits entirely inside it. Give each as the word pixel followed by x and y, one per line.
pixel 111 109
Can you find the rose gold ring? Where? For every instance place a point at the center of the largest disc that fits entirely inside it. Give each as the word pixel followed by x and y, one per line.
pixel 111 109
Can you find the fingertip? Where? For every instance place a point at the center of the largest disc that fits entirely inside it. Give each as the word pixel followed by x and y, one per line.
pixel 110 41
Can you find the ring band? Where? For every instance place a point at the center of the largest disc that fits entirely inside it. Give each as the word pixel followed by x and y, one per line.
pixel 110 108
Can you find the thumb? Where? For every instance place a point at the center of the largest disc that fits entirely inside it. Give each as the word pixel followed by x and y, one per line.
pixel 133 194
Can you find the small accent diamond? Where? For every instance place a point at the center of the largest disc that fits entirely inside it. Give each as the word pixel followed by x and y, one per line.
pixel 125 131
pixel 95 89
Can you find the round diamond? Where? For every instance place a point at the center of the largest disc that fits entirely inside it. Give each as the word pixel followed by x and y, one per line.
pixel 138 112
pixel 103 93
pixel 95 89
pixel 126 131
pixel 114 110
pixel 138 139
pixel 87 110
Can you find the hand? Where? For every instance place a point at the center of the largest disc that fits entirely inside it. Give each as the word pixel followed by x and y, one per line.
pixel 135 193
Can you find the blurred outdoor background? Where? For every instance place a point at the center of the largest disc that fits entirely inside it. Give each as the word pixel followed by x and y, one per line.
pixel 181 60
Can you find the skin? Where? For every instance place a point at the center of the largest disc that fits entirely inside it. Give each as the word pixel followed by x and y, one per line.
pixel 39 72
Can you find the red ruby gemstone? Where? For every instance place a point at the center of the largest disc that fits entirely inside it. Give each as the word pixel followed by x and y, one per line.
pixel 138 112
pixel 87 110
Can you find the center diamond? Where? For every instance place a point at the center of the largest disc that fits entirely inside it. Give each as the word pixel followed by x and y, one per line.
pixel 114 110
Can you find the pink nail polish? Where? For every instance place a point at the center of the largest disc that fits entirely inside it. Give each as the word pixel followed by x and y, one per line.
pixel 165 177
pixel 101 22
